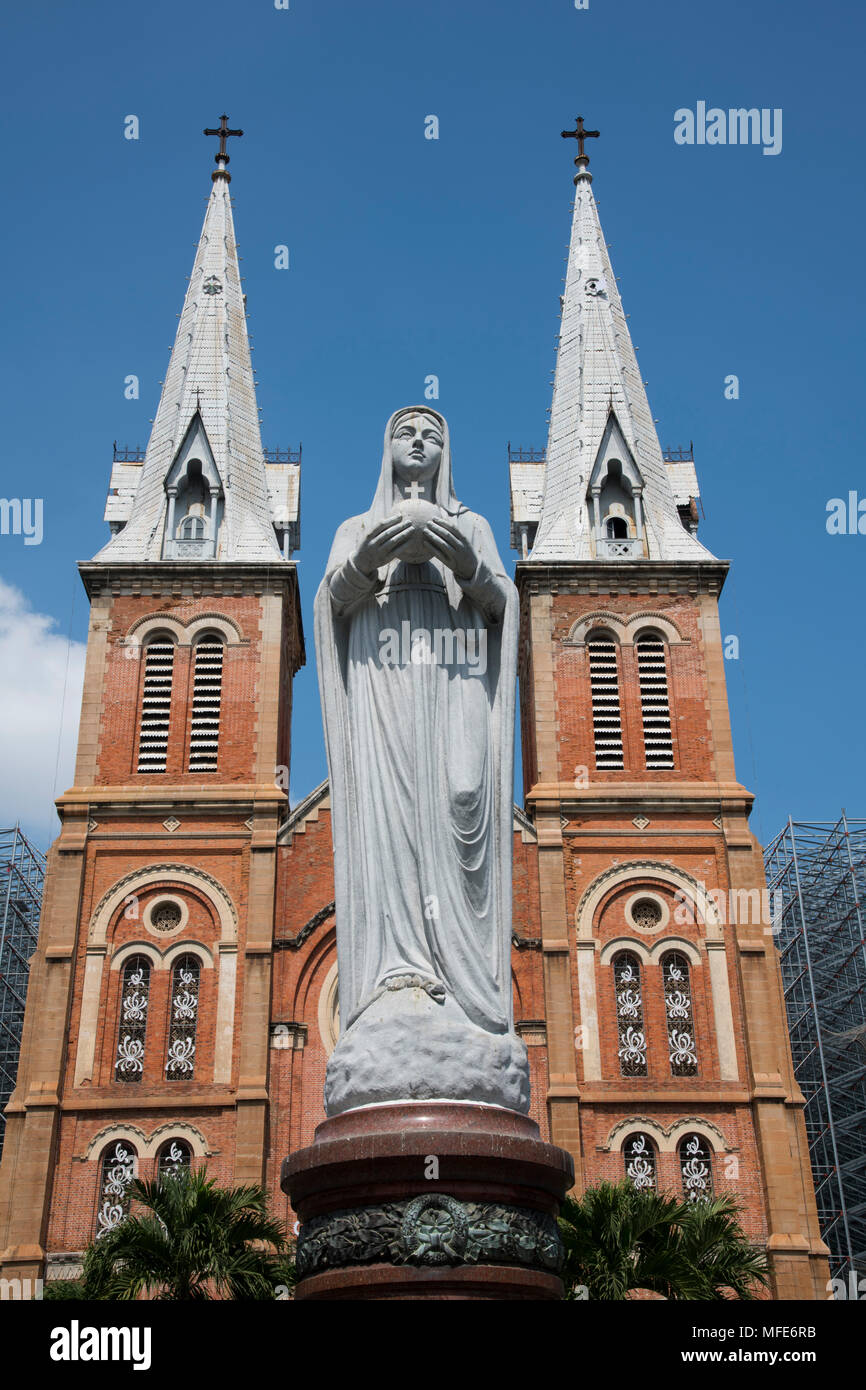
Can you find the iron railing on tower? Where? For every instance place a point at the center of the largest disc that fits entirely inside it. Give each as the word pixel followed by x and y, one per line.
pixel 819 872
pixel 22 875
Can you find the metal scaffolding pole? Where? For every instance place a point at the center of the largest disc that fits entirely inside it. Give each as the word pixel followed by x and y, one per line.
pixel 819 872
pixel 22 875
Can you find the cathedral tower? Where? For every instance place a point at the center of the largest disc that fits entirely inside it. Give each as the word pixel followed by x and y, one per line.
pixel 146 1031
pixel 668 1050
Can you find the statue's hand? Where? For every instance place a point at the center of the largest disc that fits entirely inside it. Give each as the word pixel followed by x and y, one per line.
pixel 381 544
pixel 448 542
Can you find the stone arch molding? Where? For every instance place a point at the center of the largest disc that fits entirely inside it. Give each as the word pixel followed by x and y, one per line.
pixel 147 1147
pixel 97 948
pixel 140 879
pixel 668 1138
pixel 184 633
pixel 625 630
pixel 162 960
pixel 650 955
pixel 638 871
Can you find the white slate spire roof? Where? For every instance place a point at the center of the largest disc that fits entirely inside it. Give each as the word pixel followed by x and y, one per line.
pixel 210 374
pixel 598 381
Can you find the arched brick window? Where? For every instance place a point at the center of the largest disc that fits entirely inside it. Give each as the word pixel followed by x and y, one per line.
pixel 132 1023
pixel 631 1033
pixel 654 701
pixel 116 1174
pixel 639 1155
pixel 682 1047
pixel 604 689
pixel 174 1155
pixel 207 676
pixel 155 703
pixel 696 1167
pixel 182 1019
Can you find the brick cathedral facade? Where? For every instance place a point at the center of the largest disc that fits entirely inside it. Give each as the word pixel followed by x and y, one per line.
pixel 183 1000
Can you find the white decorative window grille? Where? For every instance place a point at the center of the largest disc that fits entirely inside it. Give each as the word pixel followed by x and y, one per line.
pixel 206 699
pixel 118 1170
pixel 640 1162
pixel 173 1157
pixel 696 1167
pixel 180 1057
pixel 655 702
pixel 629 1015
pixel 132 1025
pixel 155 706
pixel 678 1008
pixel 604 689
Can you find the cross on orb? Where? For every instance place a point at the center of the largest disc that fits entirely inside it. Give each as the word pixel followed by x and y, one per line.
pixel 221 157
pixel 580 133
pixel 415 490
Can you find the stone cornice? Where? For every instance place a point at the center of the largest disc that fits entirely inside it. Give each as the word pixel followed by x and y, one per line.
pixel 663 796
pixel 625 576
pixel 189 576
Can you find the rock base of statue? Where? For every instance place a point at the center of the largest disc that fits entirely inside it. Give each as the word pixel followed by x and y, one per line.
pixel 435 1199
pixel 411 1044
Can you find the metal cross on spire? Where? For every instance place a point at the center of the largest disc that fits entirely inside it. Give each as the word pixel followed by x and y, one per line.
pixel 580 133
pixel 221 157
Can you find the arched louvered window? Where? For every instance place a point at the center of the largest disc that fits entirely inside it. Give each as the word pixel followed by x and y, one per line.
pixel 655 701
pixel 629 1015
pixel 696 1167
pixel 183 1018
pixel 174 1156
pixel 155 705
pixel 678 1009
pixel 640 1162
pixel 116 1175
pixel 604 688
pixel 132 1025
pixel 206 700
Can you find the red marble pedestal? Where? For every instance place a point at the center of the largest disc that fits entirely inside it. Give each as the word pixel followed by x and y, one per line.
pixel 430 1199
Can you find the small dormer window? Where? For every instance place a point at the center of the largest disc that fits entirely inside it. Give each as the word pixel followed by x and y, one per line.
pixel 194 499
pixel 617 528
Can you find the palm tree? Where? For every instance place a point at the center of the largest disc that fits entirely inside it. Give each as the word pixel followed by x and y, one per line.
pixel 713 1244
pixel 618 1239
pixel 194 1241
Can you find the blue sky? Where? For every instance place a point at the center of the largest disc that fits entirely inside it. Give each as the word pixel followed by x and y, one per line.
pixel 411 257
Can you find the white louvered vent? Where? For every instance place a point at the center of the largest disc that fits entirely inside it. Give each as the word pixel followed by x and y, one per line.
pixel 155 706
pixel 655 702
pixel 207 694
pixel 606 718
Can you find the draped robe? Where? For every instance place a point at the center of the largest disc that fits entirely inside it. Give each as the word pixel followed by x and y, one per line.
pixel 420 759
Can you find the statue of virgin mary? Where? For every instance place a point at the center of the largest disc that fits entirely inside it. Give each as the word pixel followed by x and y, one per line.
pixel 416 638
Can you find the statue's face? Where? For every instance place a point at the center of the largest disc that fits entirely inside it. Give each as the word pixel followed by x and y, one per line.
pixel 416 448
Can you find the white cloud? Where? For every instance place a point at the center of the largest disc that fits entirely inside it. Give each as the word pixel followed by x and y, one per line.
pixel 36 663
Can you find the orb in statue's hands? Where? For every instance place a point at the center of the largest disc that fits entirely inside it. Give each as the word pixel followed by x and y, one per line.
pixel 417 550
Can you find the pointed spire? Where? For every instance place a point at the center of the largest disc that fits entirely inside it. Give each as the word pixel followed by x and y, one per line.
pixel 208 403
pixel 600 407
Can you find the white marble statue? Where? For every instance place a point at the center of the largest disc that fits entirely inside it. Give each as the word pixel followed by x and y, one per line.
pixel 416 637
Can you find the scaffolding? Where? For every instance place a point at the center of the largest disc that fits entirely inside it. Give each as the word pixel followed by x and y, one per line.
pixel 22 874
pixel 819 873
